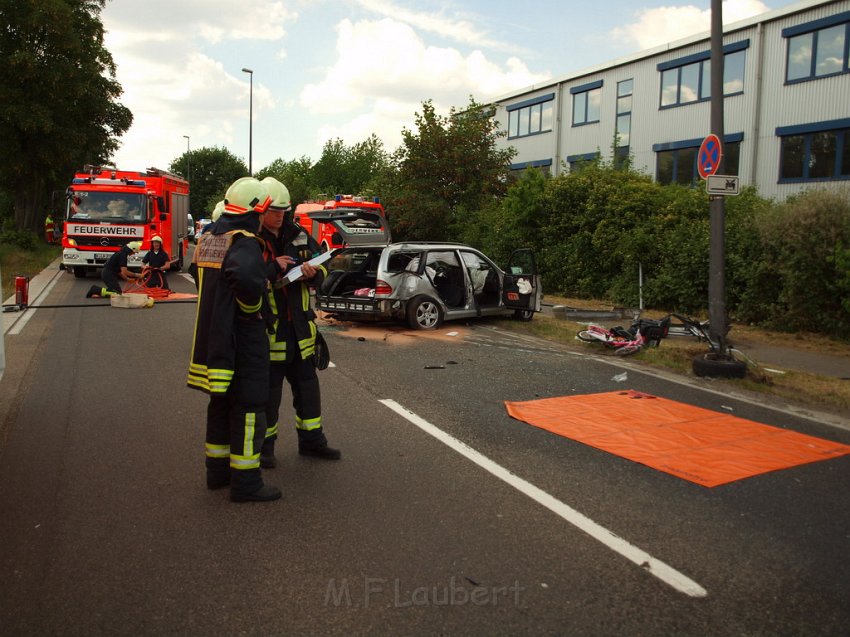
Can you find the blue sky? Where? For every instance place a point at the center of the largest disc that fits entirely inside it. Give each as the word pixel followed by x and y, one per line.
pixel 348 68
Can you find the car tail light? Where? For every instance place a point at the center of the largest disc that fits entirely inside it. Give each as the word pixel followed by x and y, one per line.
pixel 382 288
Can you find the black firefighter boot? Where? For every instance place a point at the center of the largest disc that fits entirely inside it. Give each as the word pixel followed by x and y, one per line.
pixel 267 459
pixel 313 443
pixel 247 486
pixel 94 291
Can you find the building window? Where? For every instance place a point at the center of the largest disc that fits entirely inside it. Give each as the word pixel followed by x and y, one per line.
pixel 543 165
pixel 531 116
pixel 624 116
pixel 688 80
pixel 815 152
pixel 578 162
pixel 676 163
pixel 818 49
pixel 587 100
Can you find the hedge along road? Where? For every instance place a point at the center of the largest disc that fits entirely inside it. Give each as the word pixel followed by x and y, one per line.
pixel 112 530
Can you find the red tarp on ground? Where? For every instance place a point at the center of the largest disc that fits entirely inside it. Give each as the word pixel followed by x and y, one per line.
pixel 692 443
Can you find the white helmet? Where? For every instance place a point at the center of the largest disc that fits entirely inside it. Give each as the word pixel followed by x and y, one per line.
pixel 219 208
pixel 279 193
pixel 245 195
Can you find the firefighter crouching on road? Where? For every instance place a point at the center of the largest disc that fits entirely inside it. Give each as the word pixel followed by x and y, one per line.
pixel 114 270
pixel 293 343
pixel 157 261
pixel 230 352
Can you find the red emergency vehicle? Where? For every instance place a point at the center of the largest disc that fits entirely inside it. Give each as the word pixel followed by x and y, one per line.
pixel 329 237
pixel 108 208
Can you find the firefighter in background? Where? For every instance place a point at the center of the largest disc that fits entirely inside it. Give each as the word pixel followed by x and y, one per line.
pixel 230 352
pixel 114 270
pixel 293 343
pixel 156 261
pixel 48 229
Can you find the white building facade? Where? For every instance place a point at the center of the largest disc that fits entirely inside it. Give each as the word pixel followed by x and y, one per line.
pixel 787 106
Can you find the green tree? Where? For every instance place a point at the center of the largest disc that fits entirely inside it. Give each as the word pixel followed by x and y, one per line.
pixel 352 170
pixel 447 168
pixel 60 106
pixel 296 175
pixel 213 170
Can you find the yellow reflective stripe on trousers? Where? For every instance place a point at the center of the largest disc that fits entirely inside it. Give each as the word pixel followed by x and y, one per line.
pixel 217 451
pixel 309 424
pixel 307 346
pixel 250 309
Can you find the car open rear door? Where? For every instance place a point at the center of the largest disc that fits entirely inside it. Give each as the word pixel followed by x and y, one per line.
pixel 522 289
pixel 356 227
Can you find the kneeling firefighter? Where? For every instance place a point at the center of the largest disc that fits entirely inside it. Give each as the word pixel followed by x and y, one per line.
pixel 293 344
pixel 230 353
pixel 114 270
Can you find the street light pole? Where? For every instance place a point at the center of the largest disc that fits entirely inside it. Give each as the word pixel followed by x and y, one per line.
pixel 250 120
pixel 188 169
pixel 717 209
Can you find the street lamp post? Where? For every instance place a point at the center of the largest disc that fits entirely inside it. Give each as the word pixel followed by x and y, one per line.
pixel 188 169
pixel 250 120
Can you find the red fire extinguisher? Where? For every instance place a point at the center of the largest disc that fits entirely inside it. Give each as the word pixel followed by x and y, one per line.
pixel 22 289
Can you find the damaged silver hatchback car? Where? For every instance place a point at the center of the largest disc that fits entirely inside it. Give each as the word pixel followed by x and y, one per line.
pixel 423 283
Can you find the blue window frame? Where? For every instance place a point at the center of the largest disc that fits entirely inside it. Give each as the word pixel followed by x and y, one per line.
pixel 531 117
pixel 818 49
pixel 688 80
pixel 676 162
pixel 587 100
pixel 815 152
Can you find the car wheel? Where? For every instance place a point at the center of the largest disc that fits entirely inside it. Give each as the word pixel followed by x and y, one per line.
pixel 523 315
pixel 717 366
pixel 424 313
pixel 79 272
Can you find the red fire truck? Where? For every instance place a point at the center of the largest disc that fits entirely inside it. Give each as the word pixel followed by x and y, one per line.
pixel 108 208
pixel 325 234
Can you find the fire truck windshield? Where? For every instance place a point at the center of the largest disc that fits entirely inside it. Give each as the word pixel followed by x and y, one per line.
pixel 121 207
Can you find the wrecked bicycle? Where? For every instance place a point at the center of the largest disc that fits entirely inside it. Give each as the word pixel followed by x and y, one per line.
pixel 642 333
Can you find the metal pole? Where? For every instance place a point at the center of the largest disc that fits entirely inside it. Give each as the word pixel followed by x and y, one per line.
pixel 717 209
pixel 188 168
pixel 250 121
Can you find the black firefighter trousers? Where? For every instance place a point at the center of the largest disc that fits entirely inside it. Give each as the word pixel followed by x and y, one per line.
pixel 236 421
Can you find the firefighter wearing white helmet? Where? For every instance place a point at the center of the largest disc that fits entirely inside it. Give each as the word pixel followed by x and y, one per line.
pixel 115 270
pixel 293 343
pixel 154 264
pixel 230 352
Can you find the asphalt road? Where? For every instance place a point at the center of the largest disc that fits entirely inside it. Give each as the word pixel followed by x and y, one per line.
pixel 107 527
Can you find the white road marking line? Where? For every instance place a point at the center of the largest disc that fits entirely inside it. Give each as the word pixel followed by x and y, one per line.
pixel 18 325
pixel 659 569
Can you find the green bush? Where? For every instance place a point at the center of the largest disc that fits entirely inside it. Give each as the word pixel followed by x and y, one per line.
pixel 21 238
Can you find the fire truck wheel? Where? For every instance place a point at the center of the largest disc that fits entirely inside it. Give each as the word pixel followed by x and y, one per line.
pixel 424 313
pixel 324 247
pixel 80 272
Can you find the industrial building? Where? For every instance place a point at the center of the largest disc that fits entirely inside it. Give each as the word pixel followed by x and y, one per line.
pixel 787 106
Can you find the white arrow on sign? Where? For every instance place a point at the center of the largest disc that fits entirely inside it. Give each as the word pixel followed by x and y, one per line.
pixel 721 185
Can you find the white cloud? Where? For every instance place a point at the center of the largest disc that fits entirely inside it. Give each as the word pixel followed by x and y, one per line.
pixel 171 87
pixel 653 27
pixel 387 59
pixel 456 29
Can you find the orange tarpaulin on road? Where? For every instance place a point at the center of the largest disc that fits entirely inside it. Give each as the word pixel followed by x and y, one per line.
pixel 695 444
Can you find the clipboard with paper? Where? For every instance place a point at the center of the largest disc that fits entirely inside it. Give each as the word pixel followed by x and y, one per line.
pixel 295 273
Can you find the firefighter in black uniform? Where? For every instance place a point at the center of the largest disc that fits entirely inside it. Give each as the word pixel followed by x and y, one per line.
pixel 156 261
pixel 230 353
pixel 293 343
pixel 114 270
